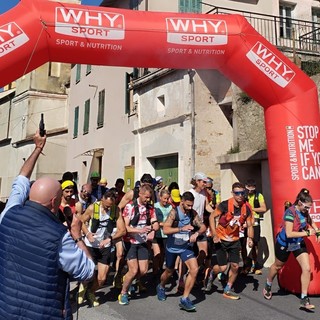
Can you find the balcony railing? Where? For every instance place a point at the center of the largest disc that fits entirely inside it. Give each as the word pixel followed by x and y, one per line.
pixel 285 33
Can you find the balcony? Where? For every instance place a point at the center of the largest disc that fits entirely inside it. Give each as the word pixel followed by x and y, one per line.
pixel 286 34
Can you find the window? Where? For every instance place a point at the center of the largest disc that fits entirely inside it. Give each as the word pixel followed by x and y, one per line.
pixel 134 4
pixel 286 20
pixel 86 117
pixel 78 73
pixel 89 68
pixel 76 122
pixel 127 93
pixel 101 108
pixel 190 6
pixel 316 25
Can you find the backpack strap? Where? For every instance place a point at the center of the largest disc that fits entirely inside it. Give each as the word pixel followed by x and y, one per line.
pixel 95 221
pixel 135 219
pixel 96 210
pixel 176 220
pixel 177 217
pixel 228 216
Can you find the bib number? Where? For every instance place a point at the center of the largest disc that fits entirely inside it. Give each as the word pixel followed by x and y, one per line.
pixel 293 246
pixel 181 238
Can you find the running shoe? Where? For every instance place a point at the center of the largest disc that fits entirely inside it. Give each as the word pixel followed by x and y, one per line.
pixel 305 304
pixel 186 304
pixel 161 293
pixel 131 290
pixel 208 285
pixel 258 272
pixel 123 299
pixel 267 292
pixel 231 295
pixel 81 293
pixel 93 302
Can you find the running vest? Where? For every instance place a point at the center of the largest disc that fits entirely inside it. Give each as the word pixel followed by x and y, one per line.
pixel 179 242
pixel 296 221
pixel 102 224
pixel 225 218
pixel 109 223
pixel 134 221
pixel 297 226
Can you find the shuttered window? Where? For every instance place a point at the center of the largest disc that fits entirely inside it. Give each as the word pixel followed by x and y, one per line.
pixel 78 73
pixel 101 106
pixel 86 117
pixel 76 122
pixel 190 6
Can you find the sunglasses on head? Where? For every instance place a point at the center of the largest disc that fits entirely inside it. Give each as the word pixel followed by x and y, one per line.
pixel 238 193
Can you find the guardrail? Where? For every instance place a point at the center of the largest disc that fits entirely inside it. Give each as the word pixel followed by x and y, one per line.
pixel 285 33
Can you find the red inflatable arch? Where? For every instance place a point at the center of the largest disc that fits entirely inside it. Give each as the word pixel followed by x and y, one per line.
pixel 37 31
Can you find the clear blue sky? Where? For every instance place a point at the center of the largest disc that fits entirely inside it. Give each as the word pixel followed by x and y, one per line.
pixel 5 5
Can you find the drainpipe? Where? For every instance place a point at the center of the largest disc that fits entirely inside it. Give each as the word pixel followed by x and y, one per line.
pixel 191 74
pixel 9 117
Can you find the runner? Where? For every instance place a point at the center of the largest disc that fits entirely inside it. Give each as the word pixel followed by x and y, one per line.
pixel 141 223
pixel 232 214
pixel 181 226
pixel 297 224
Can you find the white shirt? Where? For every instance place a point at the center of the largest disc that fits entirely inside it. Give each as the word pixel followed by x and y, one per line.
pixel 199 203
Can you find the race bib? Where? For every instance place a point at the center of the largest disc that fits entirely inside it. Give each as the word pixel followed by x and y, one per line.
pixel 293 246
pixel 181 238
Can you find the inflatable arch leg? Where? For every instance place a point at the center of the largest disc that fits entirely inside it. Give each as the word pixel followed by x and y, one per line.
pixel 61 32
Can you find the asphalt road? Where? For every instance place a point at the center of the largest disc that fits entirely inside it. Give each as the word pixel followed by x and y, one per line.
pixel 252 305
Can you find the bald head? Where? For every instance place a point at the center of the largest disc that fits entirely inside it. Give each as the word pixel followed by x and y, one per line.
pixel 86 187
pixel 47 192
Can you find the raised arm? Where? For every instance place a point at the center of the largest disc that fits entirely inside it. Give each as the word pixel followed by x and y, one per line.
pixel 28 166
pixel 21 184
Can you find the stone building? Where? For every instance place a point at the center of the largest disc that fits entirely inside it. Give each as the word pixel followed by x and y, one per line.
pixel 44 90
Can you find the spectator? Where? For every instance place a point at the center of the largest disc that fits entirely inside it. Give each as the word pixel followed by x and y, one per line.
pixel 103 182
pixel 69 176
pixel 97 190
pixel 38 254
pixel 85 198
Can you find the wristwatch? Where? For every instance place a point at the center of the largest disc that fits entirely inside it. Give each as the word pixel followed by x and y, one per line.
pixel 78 239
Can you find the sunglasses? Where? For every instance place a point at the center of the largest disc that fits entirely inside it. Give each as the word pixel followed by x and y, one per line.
pixel 305 207
pixel 238 193
pixel 209 188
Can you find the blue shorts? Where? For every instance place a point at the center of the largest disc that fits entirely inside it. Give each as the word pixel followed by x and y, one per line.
pixel 172 257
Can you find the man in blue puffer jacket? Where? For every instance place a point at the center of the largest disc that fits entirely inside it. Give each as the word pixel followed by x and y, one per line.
pixel 38 255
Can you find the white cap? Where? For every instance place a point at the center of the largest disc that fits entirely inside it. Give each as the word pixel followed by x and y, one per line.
pixel 158 179
pixel 200 176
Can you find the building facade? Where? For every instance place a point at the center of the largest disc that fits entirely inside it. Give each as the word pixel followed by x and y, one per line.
pixel 44 90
